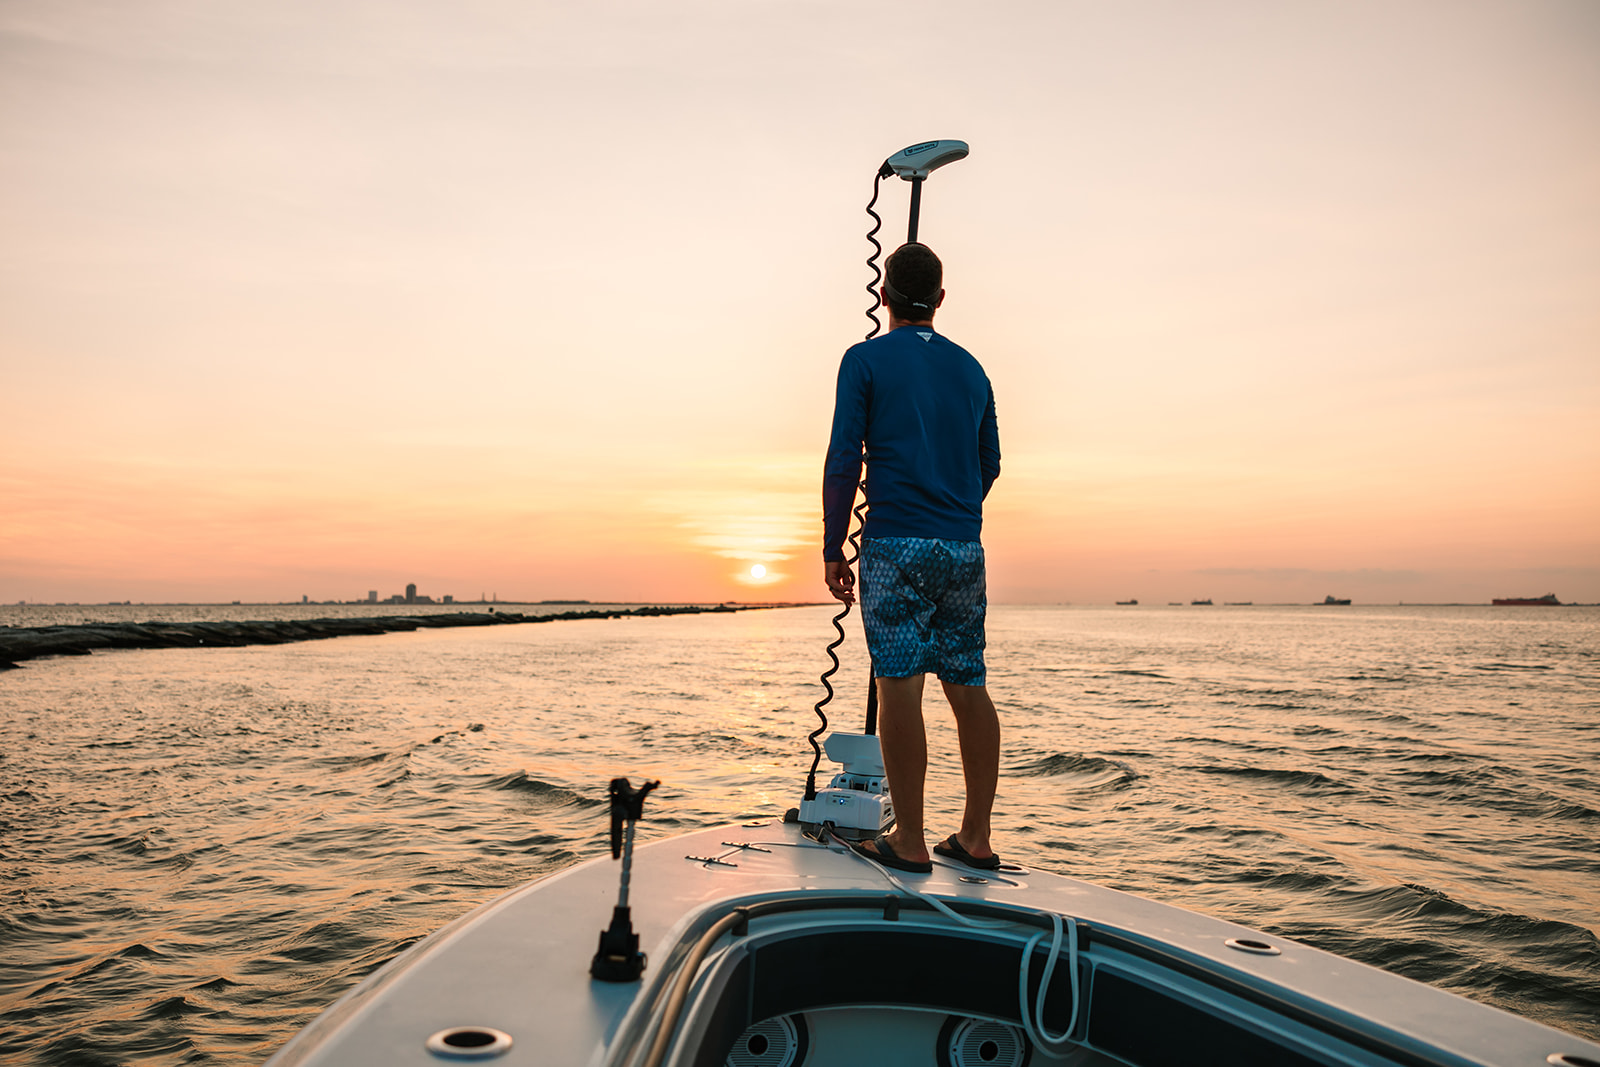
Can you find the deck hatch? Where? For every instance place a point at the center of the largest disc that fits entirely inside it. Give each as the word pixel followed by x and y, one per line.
pixel 469 1043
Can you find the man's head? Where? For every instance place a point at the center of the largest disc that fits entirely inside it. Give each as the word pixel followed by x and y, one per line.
pixel 912 283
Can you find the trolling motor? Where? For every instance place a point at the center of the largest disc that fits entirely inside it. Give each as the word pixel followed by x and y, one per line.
pixel 618 958
pixel 856 803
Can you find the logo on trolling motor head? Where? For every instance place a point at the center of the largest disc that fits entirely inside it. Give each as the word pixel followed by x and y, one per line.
pixel 922 159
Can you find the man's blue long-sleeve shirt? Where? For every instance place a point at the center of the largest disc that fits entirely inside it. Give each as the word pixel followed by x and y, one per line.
pixel 923 409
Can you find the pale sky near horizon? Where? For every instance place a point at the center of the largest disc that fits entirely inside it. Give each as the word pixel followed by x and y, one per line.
pixel 546 300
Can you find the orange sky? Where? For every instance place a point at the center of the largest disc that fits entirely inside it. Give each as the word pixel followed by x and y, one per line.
pixel 546 300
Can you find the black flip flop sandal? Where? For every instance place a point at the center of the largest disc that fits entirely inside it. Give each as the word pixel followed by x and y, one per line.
pixel 952 848
pixel 882 853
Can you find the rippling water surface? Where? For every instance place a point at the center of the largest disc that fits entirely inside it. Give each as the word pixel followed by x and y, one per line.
pixel 200 849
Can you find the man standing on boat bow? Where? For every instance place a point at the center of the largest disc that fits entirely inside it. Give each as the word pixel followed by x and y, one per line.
pixel 923 410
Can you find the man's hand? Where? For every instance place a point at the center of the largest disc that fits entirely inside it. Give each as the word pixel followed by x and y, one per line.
pixel 841 582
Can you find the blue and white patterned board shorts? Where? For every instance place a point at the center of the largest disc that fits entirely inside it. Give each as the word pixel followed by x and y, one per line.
pixel 922 604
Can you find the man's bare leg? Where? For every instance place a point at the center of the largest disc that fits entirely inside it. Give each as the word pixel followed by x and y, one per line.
pixel 905 761
pixel 978 730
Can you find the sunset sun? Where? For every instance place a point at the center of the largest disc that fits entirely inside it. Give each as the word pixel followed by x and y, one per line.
pixel 758 571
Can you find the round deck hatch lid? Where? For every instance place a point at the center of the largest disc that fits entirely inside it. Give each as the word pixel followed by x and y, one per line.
pixel 469 1043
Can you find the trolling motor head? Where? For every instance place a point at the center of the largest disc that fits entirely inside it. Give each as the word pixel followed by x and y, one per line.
pixel 914 164
pixel 921 160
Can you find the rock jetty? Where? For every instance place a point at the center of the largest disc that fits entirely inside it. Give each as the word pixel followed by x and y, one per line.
pixel 24 643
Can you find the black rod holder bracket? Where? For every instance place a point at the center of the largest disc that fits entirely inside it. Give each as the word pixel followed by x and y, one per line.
pixel 627 805
pixel 618 958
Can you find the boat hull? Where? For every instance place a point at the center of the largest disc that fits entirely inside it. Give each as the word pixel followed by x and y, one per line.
pixel 758 926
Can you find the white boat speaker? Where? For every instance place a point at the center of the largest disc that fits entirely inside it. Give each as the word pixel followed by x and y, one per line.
pixel 777 1042
pixel 968 1042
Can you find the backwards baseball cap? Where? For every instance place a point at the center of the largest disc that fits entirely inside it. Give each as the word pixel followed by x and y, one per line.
pixel 917 269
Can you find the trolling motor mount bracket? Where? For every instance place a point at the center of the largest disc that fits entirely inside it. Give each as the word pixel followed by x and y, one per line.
pixel 856 803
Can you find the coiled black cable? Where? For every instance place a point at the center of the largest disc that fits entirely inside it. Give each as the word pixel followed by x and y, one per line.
pixel 872 260
pixel 855 538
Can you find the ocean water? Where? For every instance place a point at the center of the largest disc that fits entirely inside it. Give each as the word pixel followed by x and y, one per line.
pixel 202 848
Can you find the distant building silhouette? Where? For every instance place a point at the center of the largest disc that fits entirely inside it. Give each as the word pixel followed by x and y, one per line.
pixel 411 593
pixel 372 596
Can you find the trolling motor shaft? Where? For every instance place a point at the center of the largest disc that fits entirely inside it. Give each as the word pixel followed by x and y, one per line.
pixel 618 958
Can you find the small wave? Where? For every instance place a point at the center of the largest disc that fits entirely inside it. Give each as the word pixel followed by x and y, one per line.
pixel 173 1008
pixel 470 728
pixel 1511 666
pixel 399 776
pixel 93 967
pixel 536 842
pixel 1101 773
pixel 1412 900
pixel 1271 692
pixel 1299 779
pixel 1397 718
pixel 1573 810
pixel 369 759
pixel 137 951
pixel 178 861
pixel 1497 790
pixel 323 942
pixel 1468 780
pixel 707 741
pixel 133 844
pixel 366 759
pixel 1130 673
pixel 1426 756
pixel 553 795
pixel 1294 879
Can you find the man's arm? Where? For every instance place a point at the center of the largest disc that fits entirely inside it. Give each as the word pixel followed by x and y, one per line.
pixel 989 444
pixel 841 471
